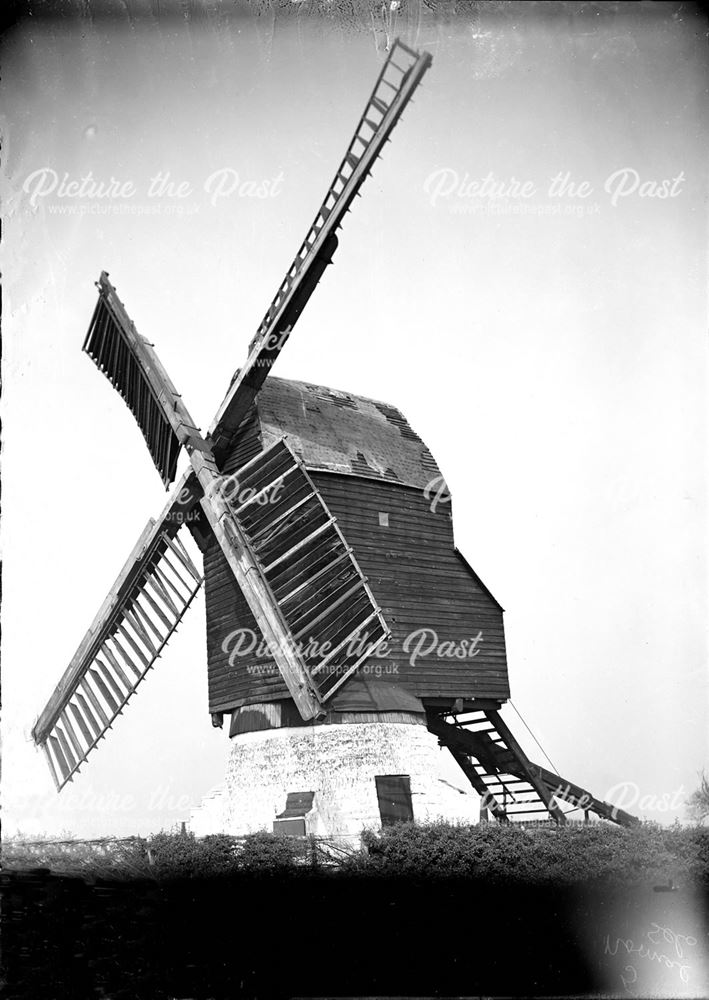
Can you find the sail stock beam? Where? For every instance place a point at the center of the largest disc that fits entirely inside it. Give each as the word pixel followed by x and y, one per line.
pixel 400 76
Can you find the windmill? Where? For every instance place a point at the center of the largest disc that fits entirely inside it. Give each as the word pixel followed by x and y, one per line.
pixel 347 638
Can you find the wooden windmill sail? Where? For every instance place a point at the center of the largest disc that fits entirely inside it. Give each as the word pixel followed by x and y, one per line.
pixel 289 562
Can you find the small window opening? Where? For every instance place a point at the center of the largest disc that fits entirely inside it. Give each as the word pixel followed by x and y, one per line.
pixel 394 795
pixel 291 822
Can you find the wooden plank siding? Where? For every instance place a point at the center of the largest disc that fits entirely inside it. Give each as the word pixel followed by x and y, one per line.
pixel 414 573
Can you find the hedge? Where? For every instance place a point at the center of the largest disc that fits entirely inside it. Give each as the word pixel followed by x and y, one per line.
pixel 488 852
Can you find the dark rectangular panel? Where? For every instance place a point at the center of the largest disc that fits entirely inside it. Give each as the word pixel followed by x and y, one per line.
pixel 394 796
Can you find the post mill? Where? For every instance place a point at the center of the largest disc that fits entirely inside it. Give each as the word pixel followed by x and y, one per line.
pixel 358 658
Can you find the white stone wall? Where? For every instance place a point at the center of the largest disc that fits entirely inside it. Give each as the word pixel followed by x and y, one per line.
pixel 338 763
pixel 209 815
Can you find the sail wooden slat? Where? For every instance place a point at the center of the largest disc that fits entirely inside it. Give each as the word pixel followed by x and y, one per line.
pixel 120 672
pixel 110 680
pixel 95 703
pixel 103 690
pixel 176 546
pixel 323 593
pixel 345 674
pixel 170 569
pixel 133 644
pixel 157 581
pixel 51 765
pixel 60 758
pixel 116 652
pixel 81 721
pixel 66 749
pixel 88 715
pixel 337 649
pixel 171 566
pixel 156 608
pixel 139 630
pixel 69 730
pixel 127 659
pixel 140 612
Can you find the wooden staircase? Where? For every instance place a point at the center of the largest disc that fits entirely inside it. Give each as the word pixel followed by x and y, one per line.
pixel 511 787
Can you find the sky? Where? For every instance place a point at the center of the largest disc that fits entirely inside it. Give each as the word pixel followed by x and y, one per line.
pixel 549 345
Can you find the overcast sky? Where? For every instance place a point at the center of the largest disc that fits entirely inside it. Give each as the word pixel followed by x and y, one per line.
pixel 549 348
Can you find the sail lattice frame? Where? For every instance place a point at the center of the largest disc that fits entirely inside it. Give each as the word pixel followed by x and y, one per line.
pixel 129 633
pixel 334 621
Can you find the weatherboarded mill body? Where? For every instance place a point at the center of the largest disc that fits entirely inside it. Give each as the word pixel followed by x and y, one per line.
pixel 356 658
pixel 381 483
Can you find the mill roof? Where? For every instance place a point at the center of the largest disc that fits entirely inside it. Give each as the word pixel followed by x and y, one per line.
pixel 336 431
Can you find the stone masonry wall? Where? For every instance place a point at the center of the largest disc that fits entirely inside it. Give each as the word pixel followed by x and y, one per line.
pixel 339 764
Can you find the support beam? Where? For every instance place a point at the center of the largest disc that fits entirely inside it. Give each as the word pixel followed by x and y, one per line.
pixel 533 778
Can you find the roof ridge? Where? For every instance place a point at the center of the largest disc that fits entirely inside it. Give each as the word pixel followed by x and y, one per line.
pixel 332 389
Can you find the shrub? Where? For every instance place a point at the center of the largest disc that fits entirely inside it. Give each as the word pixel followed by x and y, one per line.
pixel 539 854
pixel 182 855
pixel 268 852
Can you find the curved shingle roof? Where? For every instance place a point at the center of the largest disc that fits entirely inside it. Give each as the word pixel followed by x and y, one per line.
pixel 336 431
